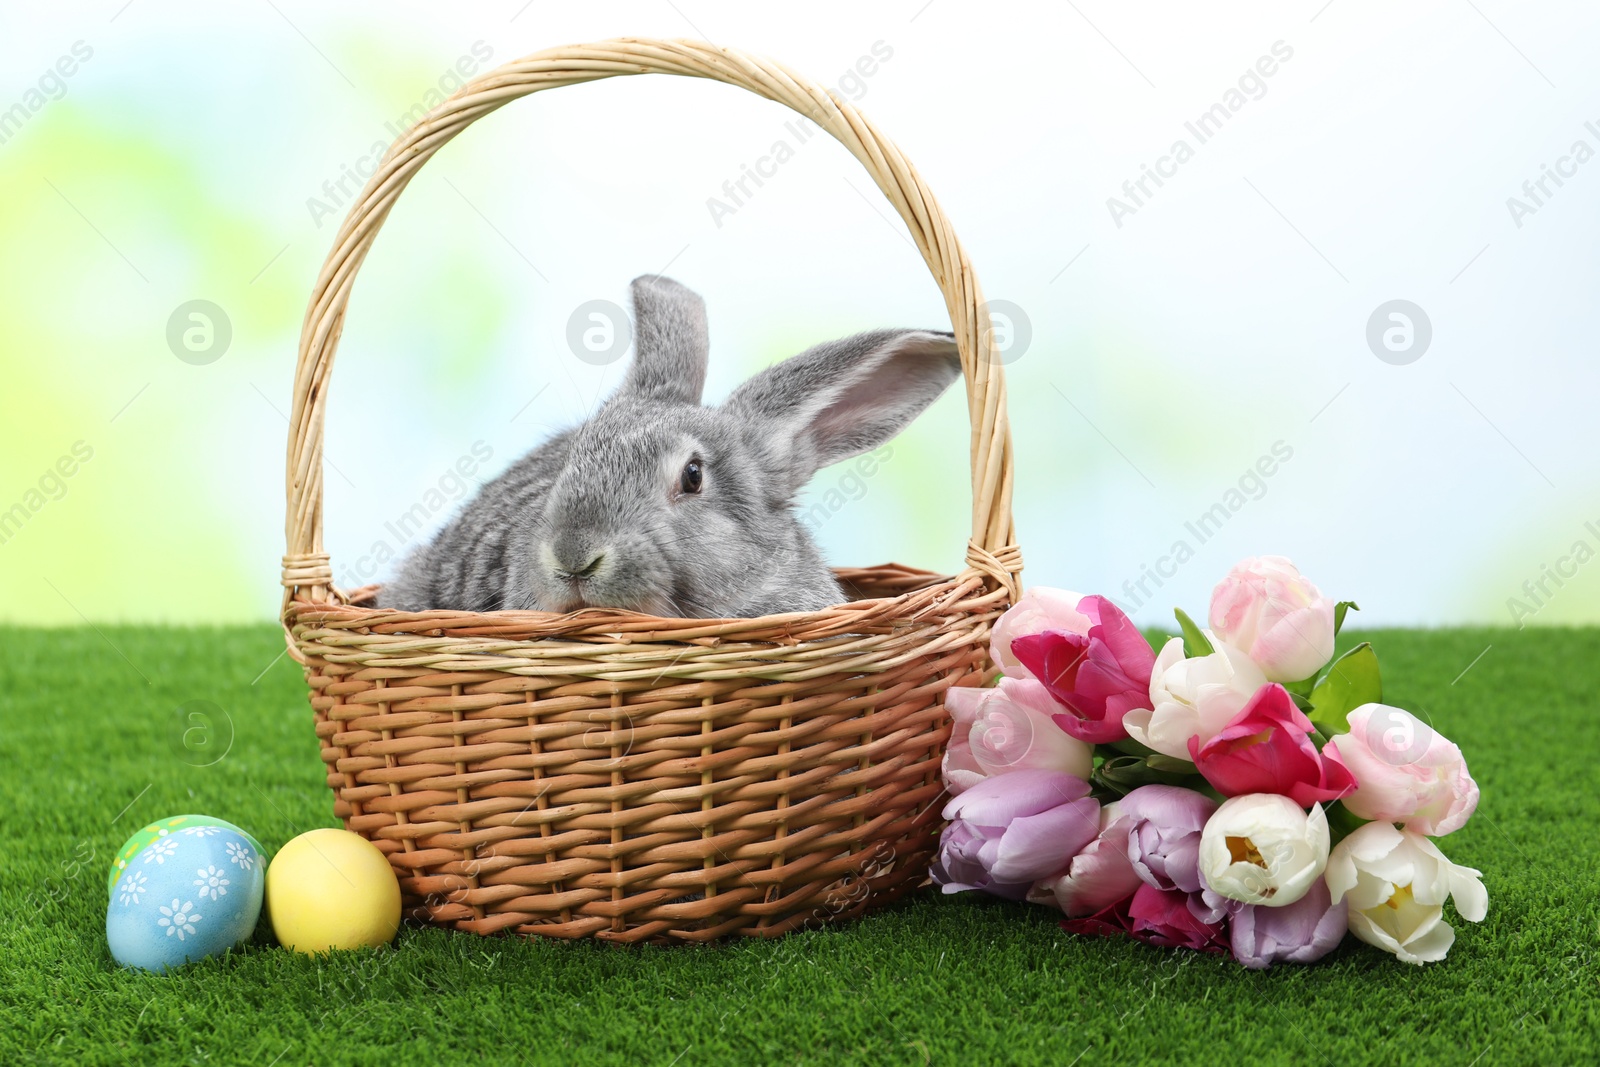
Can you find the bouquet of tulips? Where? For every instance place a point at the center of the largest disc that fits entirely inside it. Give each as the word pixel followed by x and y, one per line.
pixel 1238 790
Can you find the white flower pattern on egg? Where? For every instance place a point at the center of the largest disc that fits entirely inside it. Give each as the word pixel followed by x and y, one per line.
pixel 133 883
pixel 241 855
pixel 178 919
pixel 160 849
pixel 211 882
pixel 200 831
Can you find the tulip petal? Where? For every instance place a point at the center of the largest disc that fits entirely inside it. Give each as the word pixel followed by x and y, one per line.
pixel 997 800
pixel 1303 932
pixel 1037 846
pixel 1163 917
pixel 1429 948
pixel 1168 806
pixel 1109 921
pixel 1099 875
pixel 1471 898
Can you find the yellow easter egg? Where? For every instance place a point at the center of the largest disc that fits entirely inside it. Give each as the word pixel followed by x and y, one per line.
pixel 332 889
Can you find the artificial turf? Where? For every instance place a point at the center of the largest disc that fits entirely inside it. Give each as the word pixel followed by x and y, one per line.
pixel 91 749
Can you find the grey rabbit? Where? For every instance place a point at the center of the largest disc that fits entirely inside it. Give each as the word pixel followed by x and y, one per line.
pixel 661 505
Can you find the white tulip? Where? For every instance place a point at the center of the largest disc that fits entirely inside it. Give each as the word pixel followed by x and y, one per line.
pixel 1193 697
pixel 1396 882
pixel 1264 849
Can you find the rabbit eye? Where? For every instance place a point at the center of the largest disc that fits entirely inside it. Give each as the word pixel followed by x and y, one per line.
pixel 690 480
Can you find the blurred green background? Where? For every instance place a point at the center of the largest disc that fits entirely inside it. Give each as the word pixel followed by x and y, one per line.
pixel 196 152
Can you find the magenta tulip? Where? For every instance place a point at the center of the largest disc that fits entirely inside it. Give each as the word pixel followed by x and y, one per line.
pixel 1166 917
pixel 1037 610
pixel 1267 748
pixel 1098 676
pixel 1109 921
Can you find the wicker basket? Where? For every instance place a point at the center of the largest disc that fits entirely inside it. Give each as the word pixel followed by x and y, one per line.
pixel 614 775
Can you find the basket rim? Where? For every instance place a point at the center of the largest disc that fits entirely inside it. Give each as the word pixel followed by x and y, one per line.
pixel 932 598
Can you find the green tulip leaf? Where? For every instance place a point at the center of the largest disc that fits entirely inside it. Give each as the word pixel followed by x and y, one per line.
pixel 1120 775
pixel 1129 747
pixel 1341 823
pixel 1339 613
pixel 1301 690
pixel 1161 763
pixel 1195 642
pixel 1352 681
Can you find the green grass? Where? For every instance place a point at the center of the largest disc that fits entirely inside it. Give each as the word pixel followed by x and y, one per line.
pixel 87 729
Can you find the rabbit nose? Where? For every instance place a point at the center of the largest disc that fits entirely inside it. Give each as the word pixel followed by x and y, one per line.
pixel 573 559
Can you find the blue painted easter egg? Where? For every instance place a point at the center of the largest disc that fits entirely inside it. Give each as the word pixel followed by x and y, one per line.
pixel 185 896
pixel 172 824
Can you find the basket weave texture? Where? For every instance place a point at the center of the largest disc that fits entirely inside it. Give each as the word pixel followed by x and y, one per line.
pixel 622 776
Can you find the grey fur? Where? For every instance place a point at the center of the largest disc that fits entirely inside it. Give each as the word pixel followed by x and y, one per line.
pixel 594 516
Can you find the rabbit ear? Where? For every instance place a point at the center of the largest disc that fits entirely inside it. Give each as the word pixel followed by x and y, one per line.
pixel 669 341
pixel 845 397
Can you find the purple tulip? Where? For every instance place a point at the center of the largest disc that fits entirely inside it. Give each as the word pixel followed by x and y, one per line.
pixel 1011 830
pixel 1098 877
pixel 1302 932
pixel 1164 825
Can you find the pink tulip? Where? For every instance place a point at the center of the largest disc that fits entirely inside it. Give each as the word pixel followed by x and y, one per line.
pixel 1267 748
pixel 1099 876
pixel 1037 610
pixel 1265 608
pixel 1405 772
pixel 1012 830
pixel 1007 728
pixel 1098 676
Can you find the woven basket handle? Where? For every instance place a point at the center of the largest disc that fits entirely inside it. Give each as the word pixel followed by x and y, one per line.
pixel 307 573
